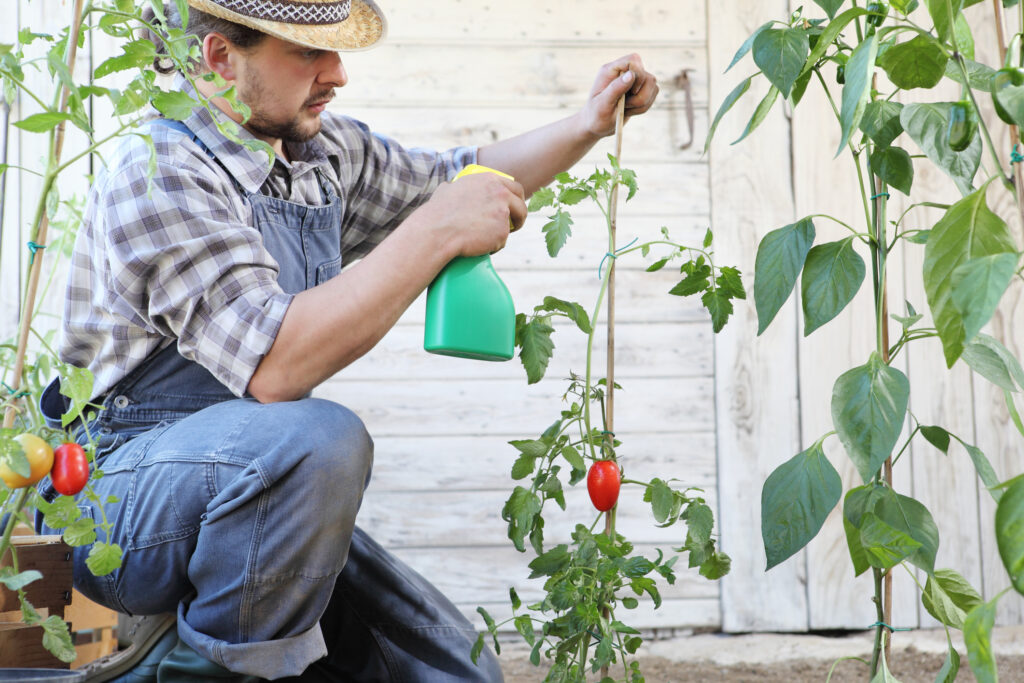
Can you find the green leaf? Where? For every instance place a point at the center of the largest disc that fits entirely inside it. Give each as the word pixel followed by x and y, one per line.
pixel 885 546
pixel 42 123
pixel 103 558
pixel 894 166
pixel 780 54
pixel 869 405
pixel 926 126
pixel 13 455
pixel 1010 532
pixel 830 6
pixel 989 358
pixel 1011 98
pixel 573 310
pixel 984 469
pixel 760 114
pixel 795 500
pixel 881 121
pixel 718 302
pixel 747 44
pixel 543 197
pixel 978 75
pixel 944 13
pixel 662 500
pixel 523 467
pixel 57 639
pixel 716 566
pixel 950 667
pixel 832 32
pixel 780 258
pixel 730 281
pixel 937 436
pixel 77 384
pixel 536 347
pixel 978 285
pixel 857 90
pixel 550 563
pixel 918 63
pixel 883 675
pixel 15 582
pixel 968 230
pixel 61 513
pixel 557 231
pixel 832 275
pixel 519 511
pixel 949 597
pixel 858 501
pixel 978 638
pixel 81 532
pixel 899 512
pixel 964 37
pixel 135 54
pixel 726 105
pixel 174 105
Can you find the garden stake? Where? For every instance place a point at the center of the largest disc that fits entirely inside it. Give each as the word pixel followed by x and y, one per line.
pixel 42 222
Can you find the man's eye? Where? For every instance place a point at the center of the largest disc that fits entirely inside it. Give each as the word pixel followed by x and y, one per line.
pixel 311 54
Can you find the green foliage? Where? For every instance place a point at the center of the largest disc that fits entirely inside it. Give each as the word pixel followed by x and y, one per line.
pixel 978 638
pixel 780 258
pixel 1010 531
pixel 833 273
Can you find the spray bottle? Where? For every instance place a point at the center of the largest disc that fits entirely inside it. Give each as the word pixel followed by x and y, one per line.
pixel 470 313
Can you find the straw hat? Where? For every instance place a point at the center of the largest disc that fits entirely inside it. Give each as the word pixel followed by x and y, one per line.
pixel 322 24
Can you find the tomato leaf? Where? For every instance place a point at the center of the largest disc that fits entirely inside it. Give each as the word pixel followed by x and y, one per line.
pixel 718 303
pixel 43 122
pixel 557 231
pixel 573 310
pixel 80 532
pixel 57 639
pixel 16 582
pixel 536 347
pixel 521 511
pixel 103 558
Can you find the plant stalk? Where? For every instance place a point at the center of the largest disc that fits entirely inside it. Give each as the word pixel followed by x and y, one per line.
pixel 42 221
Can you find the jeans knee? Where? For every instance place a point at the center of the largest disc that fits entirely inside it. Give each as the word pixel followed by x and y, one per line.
pixel 339 447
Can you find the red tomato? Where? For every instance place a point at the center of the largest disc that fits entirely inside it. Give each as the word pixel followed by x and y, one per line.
pixel 603 483
pixel 70 469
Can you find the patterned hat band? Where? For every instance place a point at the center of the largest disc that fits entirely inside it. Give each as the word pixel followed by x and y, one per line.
pixel 289 11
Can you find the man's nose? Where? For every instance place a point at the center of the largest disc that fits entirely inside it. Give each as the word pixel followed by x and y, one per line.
pixel 333 73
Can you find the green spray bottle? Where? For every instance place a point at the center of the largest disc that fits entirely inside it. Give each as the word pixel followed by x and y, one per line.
pixel 470 313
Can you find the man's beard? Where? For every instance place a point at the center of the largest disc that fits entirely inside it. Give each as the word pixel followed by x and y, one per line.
pixel 289 131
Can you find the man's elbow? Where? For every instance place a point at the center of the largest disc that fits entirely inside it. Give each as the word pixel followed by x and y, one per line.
pixel 268 389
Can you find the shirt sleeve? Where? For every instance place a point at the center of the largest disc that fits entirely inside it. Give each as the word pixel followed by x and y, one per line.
pixel 184 265
pixel 385 182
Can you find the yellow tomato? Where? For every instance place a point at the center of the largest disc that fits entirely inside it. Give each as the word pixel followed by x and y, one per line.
pixel 40 460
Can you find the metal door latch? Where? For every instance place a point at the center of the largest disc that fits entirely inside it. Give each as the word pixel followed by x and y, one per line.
pixel 682 82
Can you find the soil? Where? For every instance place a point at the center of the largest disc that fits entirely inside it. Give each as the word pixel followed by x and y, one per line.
pixel 787 658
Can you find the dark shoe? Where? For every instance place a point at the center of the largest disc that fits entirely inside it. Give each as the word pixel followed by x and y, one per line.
pixel 184 665
pixel 150 638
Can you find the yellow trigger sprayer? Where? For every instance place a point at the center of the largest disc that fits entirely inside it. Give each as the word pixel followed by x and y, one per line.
pixel 470 313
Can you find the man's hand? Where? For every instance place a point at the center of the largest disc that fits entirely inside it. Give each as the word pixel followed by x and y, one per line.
pixel 625 75
pixel 476 214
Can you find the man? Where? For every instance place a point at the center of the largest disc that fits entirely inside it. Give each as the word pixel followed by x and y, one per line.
pixel 209 300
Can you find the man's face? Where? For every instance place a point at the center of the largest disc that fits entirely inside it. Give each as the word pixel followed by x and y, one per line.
pixel 287 86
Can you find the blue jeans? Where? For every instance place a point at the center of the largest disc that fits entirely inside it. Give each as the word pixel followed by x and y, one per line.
pixel 241 517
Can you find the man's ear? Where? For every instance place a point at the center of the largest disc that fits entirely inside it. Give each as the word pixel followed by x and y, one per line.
pixel 218 53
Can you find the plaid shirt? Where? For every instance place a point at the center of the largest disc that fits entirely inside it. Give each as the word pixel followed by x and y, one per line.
pixel 176 258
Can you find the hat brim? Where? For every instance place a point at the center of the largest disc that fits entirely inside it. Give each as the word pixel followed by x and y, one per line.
pixel 364 27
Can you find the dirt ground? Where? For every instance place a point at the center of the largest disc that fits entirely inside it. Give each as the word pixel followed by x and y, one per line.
pixel 786 658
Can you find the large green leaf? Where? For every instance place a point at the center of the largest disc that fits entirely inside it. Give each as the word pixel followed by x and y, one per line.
pixel 899 512
pixel 780 53
pixel 989 358
pixel 977 286
pixel 948 597
pixel 926 125
pixel 894 166
pixel 856 92
pixel 780 258
pixel 884 545
pixel 1010 532
pixel 830 33
pixel 42 123
pixel 747 44
pixel 536 347
pixel 869 405
pixel 760 113
pixel 795 500
pixel 918 63
pixel 832 275
pixel 858 502
pixel 881 121
pixel 830 6
pixel 978 75
pixel 978 638
pixel 730 100
pixel 968 230
pixel 944 14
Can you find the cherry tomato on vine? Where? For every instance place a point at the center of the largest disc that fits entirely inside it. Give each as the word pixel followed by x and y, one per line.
pixel 70 469
pixel 40 460
pixel 603 483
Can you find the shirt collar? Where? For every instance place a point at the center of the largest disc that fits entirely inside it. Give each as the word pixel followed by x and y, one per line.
pixel 249 167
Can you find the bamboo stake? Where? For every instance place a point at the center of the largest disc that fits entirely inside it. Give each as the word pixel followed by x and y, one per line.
pixel 40 234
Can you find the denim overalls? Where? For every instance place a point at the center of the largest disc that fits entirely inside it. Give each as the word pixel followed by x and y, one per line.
pixel 241 516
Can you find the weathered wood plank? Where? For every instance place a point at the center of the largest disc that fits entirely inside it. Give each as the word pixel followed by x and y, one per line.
pixel 756 399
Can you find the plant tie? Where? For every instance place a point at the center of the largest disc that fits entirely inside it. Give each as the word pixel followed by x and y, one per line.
pixel 1015 156
pixel 15 394
pixel 609 254
pixel 890 628
pixel 33 248
pixel 880 194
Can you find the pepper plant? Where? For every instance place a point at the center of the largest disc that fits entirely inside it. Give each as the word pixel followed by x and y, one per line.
pixel 880 51
pixel 592 579
pixel 28 360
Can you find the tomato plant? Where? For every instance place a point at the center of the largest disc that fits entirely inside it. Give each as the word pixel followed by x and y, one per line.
pixel 970 260
pixel 594 578
pixel 70 469
pixel 603 482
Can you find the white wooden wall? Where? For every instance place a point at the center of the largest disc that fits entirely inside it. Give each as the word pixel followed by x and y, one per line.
pixel 719 412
